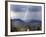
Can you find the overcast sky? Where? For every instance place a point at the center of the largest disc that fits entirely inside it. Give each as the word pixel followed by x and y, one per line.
pixel 25 12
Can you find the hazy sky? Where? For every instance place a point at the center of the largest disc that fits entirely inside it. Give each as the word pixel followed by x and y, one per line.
pixel 25 12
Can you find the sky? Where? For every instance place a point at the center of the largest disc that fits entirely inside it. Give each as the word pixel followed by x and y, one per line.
pixel 25 12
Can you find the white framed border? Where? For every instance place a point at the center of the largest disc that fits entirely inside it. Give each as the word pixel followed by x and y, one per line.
pixel 23 3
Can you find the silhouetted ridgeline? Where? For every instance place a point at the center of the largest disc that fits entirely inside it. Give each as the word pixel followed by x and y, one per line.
pixel 20 25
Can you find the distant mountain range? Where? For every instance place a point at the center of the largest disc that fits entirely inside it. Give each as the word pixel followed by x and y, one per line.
pixel 17 22
pixel 35 21
pixel 31 21
pixel 21 23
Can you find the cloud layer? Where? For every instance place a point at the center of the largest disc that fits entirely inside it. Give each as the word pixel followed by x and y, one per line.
pixel 25 12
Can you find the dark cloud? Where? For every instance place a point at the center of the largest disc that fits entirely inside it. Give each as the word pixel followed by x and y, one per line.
pixel 35 9
pixel 18 8
pixel 23 8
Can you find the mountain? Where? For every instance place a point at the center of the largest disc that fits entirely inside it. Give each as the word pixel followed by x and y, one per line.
pixel 35 21
pixel 17 22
